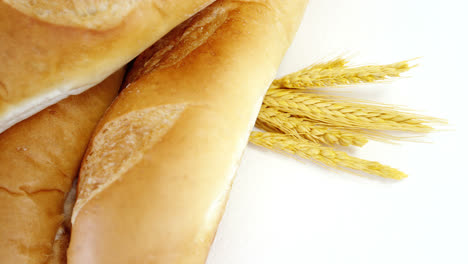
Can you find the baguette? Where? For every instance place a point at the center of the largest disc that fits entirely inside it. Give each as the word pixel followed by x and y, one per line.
pixel 158 170
pixel 39 158
pixel 52 49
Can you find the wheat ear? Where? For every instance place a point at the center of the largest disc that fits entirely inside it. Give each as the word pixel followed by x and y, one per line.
pixel 324 155
pixel 299 127
pixel 345 114
pixel 337 74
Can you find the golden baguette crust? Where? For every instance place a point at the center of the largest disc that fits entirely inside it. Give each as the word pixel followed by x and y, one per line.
pixel 92 14
pixel 46 55
pixel 39 158
pixel 154 193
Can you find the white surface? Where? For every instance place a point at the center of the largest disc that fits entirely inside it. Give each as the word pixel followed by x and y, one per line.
pixel 285 211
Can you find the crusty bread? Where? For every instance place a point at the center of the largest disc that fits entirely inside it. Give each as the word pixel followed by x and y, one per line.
pixel 39 158
pixel 52 49
pixel 62 237
pixel 157 173
pixel 60 246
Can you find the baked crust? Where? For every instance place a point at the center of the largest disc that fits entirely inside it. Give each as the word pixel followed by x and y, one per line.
pixel 91 14
pixel 39 158
pixel 47 58
pixel 152 192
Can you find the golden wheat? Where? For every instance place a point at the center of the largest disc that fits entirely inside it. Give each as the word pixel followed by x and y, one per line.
pixel 345 113
pixel 324 155
pixel 298 121
pixel 335 73
pixel 332 64
pixel 273 120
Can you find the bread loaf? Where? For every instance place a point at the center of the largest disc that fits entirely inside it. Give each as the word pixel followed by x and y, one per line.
pixel 157 173
pixel 52 49
pixel 39 158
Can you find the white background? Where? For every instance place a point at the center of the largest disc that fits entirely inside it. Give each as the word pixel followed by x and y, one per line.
pixel 286 211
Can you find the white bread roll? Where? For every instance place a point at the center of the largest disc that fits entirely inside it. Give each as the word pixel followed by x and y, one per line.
pixel 39 158
pixel 157 173
pixel 52 49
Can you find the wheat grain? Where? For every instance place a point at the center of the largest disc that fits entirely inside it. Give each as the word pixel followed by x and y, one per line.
pixel 332 64
pixel 273 120
pixel 298 121
pixel 324 155
pixel 335 73
pixel 344 113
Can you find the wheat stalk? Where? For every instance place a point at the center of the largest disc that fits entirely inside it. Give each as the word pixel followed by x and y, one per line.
pixel 273 120
pixel 345 114
pixel 324 155
pixel 335 73
pixel 298 121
